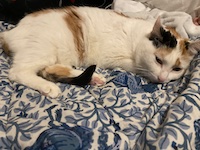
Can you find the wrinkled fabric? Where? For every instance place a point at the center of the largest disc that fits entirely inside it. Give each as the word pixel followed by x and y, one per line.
pixel 126 113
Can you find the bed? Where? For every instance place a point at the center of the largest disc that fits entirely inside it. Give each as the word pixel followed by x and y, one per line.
pixel 126 113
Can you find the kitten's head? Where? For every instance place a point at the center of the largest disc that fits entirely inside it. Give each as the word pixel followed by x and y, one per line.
pixel 170 56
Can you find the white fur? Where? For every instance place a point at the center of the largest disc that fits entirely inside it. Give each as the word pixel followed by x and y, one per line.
pixel 111 40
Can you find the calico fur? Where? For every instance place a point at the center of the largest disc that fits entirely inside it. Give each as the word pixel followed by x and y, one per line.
pixel 46 44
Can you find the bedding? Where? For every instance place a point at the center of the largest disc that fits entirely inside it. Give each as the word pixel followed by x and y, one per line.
pixel 151 9
pixel 126 113
pixel 187 6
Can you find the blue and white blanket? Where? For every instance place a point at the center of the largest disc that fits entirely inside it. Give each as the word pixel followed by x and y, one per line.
pixel 126 113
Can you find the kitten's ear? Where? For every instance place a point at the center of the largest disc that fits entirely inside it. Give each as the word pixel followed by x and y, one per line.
pixel 161 36
pixel 194 46
pixel 155 34
pixel 156 29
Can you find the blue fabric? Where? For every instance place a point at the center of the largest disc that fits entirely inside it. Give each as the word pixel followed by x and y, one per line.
pixel 126 113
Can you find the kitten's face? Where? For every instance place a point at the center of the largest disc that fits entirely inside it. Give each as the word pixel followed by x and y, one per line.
pixel 170 56
pixel 167 64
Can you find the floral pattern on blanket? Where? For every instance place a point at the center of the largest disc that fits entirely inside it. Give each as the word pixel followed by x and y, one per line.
pixel 126 113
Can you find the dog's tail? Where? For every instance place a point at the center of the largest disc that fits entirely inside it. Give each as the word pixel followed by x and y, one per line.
pixel 58 73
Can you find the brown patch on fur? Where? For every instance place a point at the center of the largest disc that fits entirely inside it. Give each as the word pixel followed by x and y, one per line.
pixel 183 44
pixel 162 52
pixel 186 54
pixel 41 12
pixel 73 20
pixel 184 48
pixel 58 70
pixel 177 63
pixel 173 32
pixel 59 73
pixel 55 73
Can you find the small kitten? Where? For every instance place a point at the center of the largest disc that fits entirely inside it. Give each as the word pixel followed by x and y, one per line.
pixel 46 44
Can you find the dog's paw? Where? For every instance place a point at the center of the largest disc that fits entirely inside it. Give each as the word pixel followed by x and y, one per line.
pixel 98 80
pixel 51 90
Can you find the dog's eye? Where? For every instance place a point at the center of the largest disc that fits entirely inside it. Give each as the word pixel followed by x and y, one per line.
pixel 177 69
pixel 159 60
